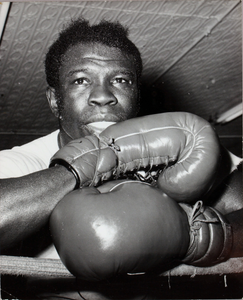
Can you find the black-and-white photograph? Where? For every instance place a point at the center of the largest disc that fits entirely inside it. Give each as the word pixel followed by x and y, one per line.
pixel 121 150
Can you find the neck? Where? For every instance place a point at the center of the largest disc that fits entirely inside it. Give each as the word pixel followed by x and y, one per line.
pixel 64 137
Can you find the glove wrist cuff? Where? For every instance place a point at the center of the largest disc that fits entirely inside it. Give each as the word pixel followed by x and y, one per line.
pixel 65 164
pixel 210 236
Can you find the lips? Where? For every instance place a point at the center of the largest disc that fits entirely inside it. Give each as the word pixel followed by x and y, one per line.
pixel 108 117
pixel 98 127
pixel 98 122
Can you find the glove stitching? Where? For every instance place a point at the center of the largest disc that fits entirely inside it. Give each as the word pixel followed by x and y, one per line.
pixel 90 150
pixel 205 126
pixel 125 182
pixel 165 128
pixel 153 129
pixel 163 161
pixel 97 162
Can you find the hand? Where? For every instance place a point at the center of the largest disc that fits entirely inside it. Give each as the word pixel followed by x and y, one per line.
pixel 89 159
pixel 183 148
pixel 121 227
pixel 131 227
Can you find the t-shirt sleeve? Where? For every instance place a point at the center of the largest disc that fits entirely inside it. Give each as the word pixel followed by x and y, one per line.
pixel 16 164
pixel 29 158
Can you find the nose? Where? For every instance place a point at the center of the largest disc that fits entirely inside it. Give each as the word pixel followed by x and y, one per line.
pixel 101 96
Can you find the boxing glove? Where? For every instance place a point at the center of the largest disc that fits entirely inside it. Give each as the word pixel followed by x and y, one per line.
pixel 181 149
pixel 127 227
pixel 89 159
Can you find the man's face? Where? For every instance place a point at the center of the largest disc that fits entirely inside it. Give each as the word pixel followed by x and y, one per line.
pixel 97 83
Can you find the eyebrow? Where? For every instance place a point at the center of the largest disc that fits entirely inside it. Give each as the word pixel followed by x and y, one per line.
pixel 70 73
pixel 123 72
pixel 126 72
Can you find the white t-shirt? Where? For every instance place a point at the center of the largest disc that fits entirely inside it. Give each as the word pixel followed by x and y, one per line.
pixel 29 158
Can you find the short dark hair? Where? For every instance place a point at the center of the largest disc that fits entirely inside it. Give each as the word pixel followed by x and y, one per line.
pixel 80 31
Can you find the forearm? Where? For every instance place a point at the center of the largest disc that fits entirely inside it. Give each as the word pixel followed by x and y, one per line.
pixel 236 221
pixel 228 197
pixel 228 200
pixel 26 202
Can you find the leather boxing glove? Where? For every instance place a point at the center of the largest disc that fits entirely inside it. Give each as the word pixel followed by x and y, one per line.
pixel 125 227
pixel 131 227
pixel 183 146
pixel 89 159
pixel 210 236
pixel 180 149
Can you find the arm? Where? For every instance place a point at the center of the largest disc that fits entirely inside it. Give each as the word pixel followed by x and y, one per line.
pixel 26 202
pixel 229 201
pixel 235 218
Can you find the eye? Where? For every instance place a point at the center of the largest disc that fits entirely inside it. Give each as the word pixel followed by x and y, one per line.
pixel 121 80
pixel 82 81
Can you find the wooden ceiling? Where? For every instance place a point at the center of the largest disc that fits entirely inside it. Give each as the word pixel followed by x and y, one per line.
pixel 191 51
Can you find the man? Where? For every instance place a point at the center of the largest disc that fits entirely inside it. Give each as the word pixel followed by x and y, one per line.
pixel 87 84
pixel 93 74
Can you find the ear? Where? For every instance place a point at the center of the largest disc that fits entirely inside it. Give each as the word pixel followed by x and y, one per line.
pixel 51 97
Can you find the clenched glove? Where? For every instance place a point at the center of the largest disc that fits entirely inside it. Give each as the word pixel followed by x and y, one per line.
pixel 181 150
pixel 127 227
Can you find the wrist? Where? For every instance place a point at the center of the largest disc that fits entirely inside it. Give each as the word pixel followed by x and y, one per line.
pixel 69 168
pixel 66 176
pixel 210 236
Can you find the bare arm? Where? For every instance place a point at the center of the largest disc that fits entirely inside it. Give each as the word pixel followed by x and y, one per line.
pixel 26 202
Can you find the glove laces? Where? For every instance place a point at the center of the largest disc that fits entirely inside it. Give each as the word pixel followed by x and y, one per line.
pixel 195 223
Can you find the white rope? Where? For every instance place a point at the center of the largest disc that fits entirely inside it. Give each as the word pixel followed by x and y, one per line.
pixel 28 266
